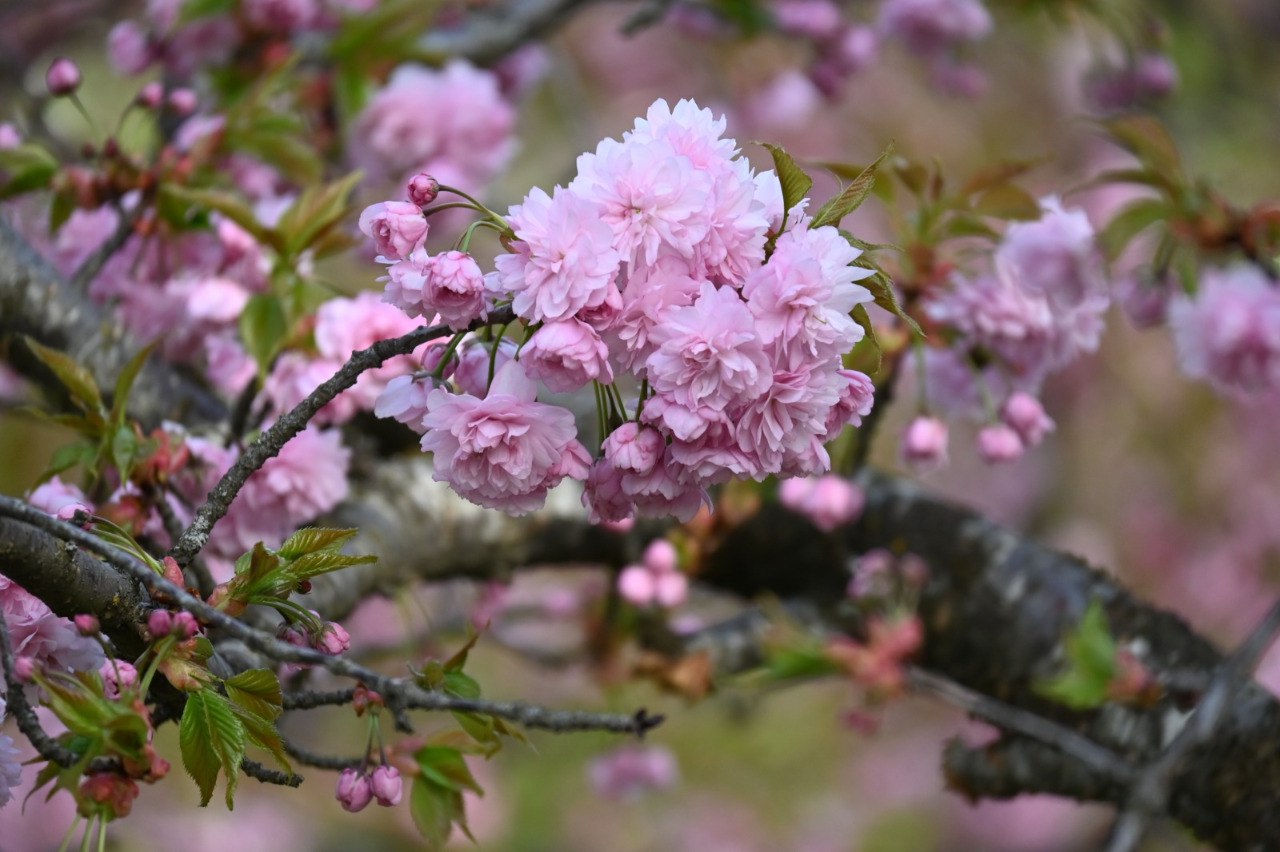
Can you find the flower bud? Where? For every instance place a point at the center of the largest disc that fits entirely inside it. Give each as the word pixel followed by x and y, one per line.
pixel 353 791
pixel 87 624
pixel 396 228
pixel 633 448
pixel 635 584
pixel 150 96
pixel 661 556
pixel 183 101
pixel 924 445
pixel 24 668
pixel 999 443
pixel 423 189
pixel 1023 413
pixel 386 785
pixel 63 77
pixel 333 639
pixel 159 623
pixel 185 625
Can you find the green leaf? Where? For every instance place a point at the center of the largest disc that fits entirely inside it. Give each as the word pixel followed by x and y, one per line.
pixel 800 663
pixel 262 328
pixel 25 168
pixel 180 199
pixel 461 685
pixel 1007 201
pixel 261 733
pixel 861 318
pixel 211 737
pixel 124 383
pixel 124 450
pixel 61 206
pixel 853 195
pixel 447 767
pixel 314 213
pixel 315 564
pixel 313 539
pixel 76 379
pixel 256 690
pixel 459 659
pixel 1091 663
pixel 434 809
pixel 1131 221
pixel 882 290
pixel 68 456
pixel 1148 140
pixel 795 183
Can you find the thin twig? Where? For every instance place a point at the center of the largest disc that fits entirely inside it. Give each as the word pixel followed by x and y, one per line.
pixel 267 775
pixel 270 442
pixel 1097 758
pixel 1149 795
pixel 22 711
pixel 320 761
pixel 399 693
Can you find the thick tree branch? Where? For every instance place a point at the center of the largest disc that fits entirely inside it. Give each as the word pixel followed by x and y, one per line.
pixel 36 301
pixel 490 33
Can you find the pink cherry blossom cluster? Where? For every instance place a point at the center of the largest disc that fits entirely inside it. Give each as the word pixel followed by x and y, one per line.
pixel 182 44
pixel 1039 309
pixel 668 266
pixel 1229 331
pixel 657 579
pixel 454 122
pixel 632 771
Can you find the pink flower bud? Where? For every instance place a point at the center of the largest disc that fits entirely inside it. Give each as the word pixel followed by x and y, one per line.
pixel 24 668
pixel 9 136
pixel 63 77
pixel 185 625
pixel 661 556
pixel 1155 75
pixel 159 623
pixel 924 445
pixel 386 785
pixel 151 95
pixel 117 675
pixel 999 443
pixel 129 49
pixel 636 586
pixel 1024 414
pixel 333 640
pixel 87 624
pixel 353 792
pixel 396 227
pixel 183 101
pixel 113 792
pixel 633 448
pixel 453 287
pixel 423 189
pixel 670 590
pixel 828 501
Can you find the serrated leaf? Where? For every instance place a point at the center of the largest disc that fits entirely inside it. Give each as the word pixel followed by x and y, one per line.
pixel 882 290
pixel 853 195
pixel 1147 139
pixel 211 738
pixel 313 539
pixel 315 564
pixel 262 328
pixel 1007 201
pixel 795 183
pixel 75 378
pixel 262 733
pixel 1115 237
pixel 1090 653
pixel 258 691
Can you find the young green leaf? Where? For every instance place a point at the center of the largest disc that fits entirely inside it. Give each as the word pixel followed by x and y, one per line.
pixel 75 378
pixel 262 328
pixel 1091 663
pixel 1131 221
pixel 853 195
pixel 314 539
pixel 256 690
pixel 795 183
pixel 211 737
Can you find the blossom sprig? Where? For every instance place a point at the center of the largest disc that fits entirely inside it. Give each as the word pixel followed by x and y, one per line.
pixel 706 307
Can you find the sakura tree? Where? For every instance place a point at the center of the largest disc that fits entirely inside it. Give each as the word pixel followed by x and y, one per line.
pixel 349 345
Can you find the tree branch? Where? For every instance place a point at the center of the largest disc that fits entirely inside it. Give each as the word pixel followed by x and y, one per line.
pixel 490 33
